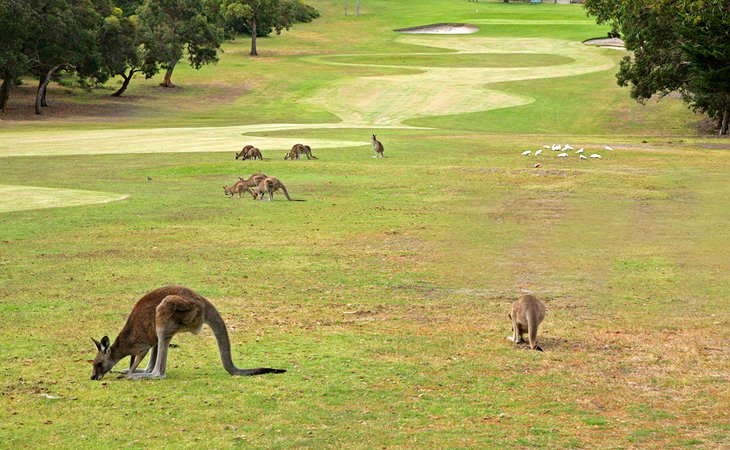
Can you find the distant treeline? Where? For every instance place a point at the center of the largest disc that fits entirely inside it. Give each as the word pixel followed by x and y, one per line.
pixel 100 39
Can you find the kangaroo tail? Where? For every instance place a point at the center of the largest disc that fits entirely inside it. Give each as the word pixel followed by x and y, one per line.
pixel 532 324
pixel 258 371
pixel 216 323
pixel 283 188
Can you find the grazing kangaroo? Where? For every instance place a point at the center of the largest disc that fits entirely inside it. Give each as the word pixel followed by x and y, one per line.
pixel 378 147
pixel 268 186
pixel 236 188
pixel 307 150
pixel 155 319
pixel 253 153
pixel 527 314
pixel 242 185
pixel 244 151
pixel 295 152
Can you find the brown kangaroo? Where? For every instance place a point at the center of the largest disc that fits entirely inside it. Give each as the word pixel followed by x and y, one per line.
pixel 268 186
pixel 378 147
pixel 244 151
pixel 254 153
pixel 242 185
pixel 236 188
pixel 307 150
pixel 253 180
pixel 155 319
pixel 295 152
pixel 527 314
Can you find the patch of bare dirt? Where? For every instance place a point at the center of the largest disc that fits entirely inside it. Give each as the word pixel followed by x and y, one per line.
pixel 21 106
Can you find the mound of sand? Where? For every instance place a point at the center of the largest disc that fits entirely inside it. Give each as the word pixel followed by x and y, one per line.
pixel 440 28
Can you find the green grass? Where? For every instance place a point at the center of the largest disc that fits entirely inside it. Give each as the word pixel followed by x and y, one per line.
pixel 386 293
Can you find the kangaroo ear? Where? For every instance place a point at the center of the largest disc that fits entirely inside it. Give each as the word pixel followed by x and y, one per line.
pixel 105 343
pixel 97 343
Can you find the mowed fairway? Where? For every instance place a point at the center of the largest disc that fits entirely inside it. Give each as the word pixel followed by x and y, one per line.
pixel 385 294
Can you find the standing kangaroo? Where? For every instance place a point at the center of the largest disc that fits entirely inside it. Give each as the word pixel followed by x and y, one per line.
pixel 268 186
pixel 378 147
pixel 155 319
pixel 527 314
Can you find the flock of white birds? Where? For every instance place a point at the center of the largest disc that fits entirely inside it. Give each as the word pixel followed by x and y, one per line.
pixel 564 149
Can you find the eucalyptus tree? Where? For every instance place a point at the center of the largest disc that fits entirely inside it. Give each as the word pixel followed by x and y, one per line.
pixel 173 27
pixel 676 46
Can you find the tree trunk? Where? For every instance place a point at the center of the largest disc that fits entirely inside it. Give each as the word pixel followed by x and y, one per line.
pixel 357 8
pixel 725 123
pixel 5 90
pixel 168 75
pixel 41 79
pixel 125 84
pixel 253 37
pixel 345 7
pixel 40 95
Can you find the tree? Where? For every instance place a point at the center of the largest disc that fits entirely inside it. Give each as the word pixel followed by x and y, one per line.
pixel 261 17
pixel 14 17
pixel 62 36
pixel 172 26
pixel 677 46
pixel 122 47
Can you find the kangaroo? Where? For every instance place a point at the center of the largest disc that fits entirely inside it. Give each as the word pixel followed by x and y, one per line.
pixel 295 152
pixel 253 180
pixel 242 185
pixel 268 186
pixel 378 147
pixel 527 314
pixel 236 188
pixel 155 319
pixel 253 153
pixel 244 151
pixel 307 150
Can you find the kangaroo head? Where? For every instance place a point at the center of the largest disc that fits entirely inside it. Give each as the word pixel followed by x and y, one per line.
pixel 254 193
pixel 103 362
pixel 374 138
pixel 226 190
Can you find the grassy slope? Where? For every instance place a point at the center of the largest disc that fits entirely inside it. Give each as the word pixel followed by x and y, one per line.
pixel 386 293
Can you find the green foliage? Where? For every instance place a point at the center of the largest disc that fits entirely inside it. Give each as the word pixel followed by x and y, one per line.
pixel 173 26
pixel 271 15
pixel 678 46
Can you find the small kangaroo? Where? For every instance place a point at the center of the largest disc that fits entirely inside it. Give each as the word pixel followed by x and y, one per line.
pixel 155 319
pixel 527 314
pixel 244 151
pixel 378 147
pixel 236 188
pixel 268 186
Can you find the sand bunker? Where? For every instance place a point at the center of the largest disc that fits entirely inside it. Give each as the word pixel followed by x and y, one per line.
pixel 440 28
pixel 613 43
pixel 19 198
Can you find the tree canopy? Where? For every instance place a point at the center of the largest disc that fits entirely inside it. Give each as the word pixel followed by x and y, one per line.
pixel 677 46
pixel 262 17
